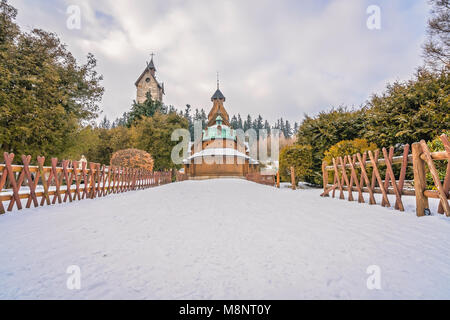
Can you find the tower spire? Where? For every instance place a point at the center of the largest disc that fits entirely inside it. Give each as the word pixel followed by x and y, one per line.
pixel 151 65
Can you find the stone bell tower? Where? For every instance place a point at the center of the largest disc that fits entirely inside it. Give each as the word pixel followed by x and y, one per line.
pixel 147 82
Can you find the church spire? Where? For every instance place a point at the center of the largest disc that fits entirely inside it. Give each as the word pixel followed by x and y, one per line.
pixel 218 114
pixel 218 95
pixel 151 65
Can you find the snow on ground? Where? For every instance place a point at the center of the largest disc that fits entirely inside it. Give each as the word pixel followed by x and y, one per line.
pixel 223 239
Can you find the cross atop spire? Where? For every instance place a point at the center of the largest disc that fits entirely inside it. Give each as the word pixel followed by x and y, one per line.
pixel 151 65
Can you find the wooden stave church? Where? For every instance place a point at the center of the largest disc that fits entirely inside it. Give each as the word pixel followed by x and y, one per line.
pixel 219 154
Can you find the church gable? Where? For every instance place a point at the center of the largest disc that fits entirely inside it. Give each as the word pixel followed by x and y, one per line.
pixel 218 109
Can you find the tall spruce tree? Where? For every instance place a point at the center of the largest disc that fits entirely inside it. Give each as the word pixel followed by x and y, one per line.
pixel 248 123
pixel 146 109
pixel 267 127
pixel 239 123
pixel 204 118
pixel 234 123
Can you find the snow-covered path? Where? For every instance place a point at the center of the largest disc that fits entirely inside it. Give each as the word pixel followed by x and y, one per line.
pixel 222 239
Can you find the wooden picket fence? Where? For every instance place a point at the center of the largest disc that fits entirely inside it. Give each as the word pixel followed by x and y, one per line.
pixel 268 180
pixel 181 177
pixel 72 181
pixel 351 174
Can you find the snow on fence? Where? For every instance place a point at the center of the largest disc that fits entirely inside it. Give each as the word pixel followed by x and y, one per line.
pixel 268 180
pixel 351 174
pixel 73 181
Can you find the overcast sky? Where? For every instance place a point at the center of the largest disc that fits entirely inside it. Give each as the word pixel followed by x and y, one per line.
pixel 275 58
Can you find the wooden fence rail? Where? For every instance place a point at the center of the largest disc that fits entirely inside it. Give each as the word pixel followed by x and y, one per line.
pixel 268 180
pixel 72 181
pixel 351 174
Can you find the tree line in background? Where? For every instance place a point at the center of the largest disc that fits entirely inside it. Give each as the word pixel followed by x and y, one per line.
pixel 149 107
pixel 160 149
pixel 406 112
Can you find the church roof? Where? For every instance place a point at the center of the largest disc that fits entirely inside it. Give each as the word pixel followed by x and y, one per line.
pixel 218 152
pixel 227 152
pixel 151 65
pixel 218 95
pixel 213 132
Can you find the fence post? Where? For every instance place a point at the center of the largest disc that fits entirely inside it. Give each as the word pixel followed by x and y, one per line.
pixel 420 180
pixel 446 143
pixel 294 187
pixel 278 179
pixel 325 178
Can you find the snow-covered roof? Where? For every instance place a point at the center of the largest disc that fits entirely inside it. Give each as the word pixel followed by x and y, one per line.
pixel 228 152
pixel 219 152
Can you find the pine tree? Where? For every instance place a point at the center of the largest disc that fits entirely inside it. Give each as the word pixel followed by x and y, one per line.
pixel 146 109
pixel 187 116
pixel 240 125
pixel 197 116
pixel 296 127
pixel 171 110
pixel 259 123
pixel 248 123
pixel 204 119
pixel 105 123
pixel 282 127
pixel 187 112
pixel 267 127
pixel 288 129
pixel 234 123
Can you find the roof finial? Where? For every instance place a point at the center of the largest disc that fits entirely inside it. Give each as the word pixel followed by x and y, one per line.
pixel 151 65
pixel 218 81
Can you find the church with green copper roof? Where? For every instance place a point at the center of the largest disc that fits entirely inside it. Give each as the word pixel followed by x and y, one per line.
pixel 219 154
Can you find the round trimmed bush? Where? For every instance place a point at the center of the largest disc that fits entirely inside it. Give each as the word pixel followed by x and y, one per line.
pixel 132 158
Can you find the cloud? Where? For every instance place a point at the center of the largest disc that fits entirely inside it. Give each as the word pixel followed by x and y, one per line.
pixel 276 58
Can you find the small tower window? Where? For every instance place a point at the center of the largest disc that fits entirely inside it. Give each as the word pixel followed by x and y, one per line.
pixel 147 80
